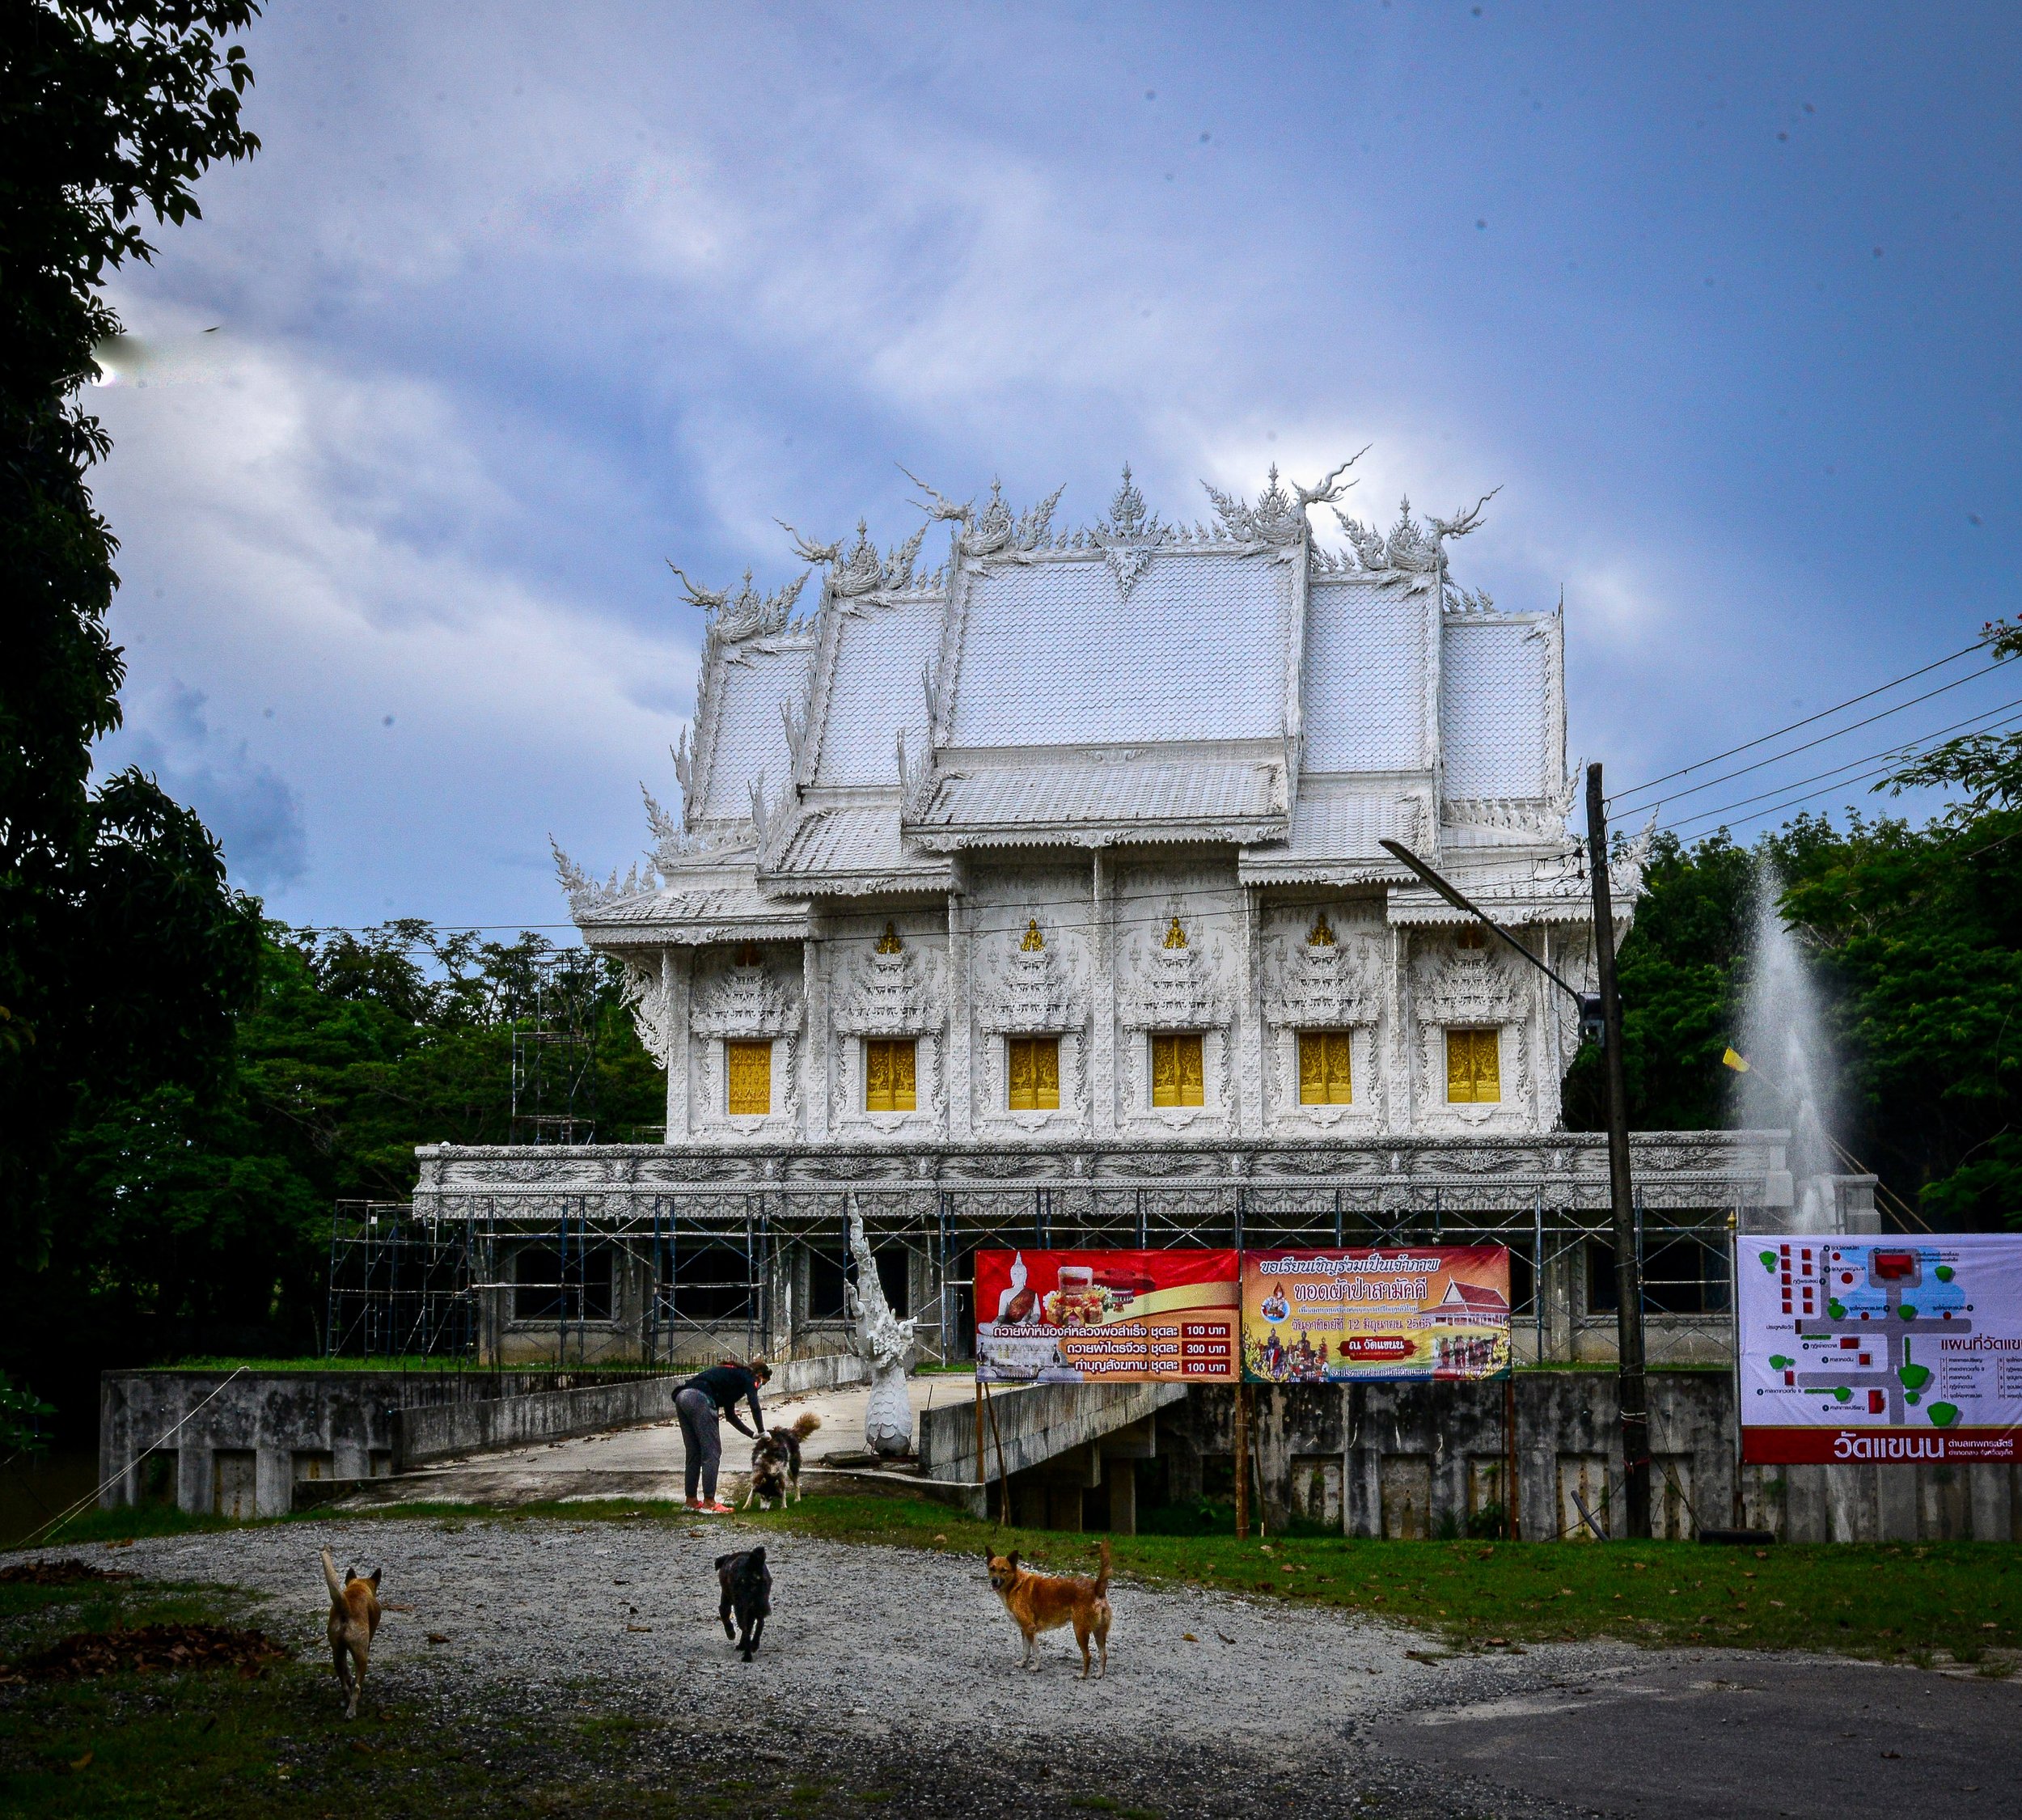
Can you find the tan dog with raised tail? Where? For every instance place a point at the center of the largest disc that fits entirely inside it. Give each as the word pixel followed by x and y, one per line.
pixel 354 1619
pixel 1045 1602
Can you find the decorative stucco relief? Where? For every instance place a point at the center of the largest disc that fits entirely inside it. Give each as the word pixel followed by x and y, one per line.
pixel 1177 983
pixel 747 1000
pixel 644 990
pixel 1324 984
pixel 1455 986
pixel 1027 984
pixel 892 991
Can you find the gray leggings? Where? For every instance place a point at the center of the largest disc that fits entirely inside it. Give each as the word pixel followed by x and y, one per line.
pixel 701 1441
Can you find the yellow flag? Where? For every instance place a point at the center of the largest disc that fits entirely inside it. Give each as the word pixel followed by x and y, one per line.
pixel 1735 1060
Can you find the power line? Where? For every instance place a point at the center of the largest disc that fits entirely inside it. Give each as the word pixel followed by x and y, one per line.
pixel 1905 751
pixel 1825 738
pixel 1788 802
pixel 1824 714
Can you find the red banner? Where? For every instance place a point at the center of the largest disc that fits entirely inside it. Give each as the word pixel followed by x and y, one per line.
pixel 1820 1446
pixel 1107 1317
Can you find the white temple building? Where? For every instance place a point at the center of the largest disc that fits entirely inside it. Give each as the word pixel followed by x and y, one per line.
pixel 1076 837
pixel 1038 897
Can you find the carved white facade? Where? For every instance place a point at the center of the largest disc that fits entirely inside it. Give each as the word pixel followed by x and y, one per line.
pixel 1105 787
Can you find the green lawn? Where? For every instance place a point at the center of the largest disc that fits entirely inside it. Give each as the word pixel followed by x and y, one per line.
pixel 1963 1600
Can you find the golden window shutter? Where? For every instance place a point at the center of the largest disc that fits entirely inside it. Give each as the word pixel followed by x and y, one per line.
pixel 749 1066
pixel 1324 1076
pixel 1178 1074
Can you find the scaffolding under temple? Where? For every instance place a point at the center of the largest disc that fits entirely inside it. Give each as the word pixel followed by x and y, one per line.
pixel 689 1274
pixel 400 1286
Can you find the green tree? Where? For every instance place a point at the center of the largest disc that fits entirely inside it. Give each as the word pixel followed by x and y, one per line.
pixel 120 942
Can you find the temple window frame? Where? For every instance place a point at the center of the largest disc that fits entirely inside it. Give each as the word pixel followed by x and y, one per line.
pixel 892 1073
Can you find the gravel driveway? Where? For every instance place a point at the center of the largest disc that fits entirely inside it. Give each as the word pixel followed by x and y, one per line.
pixel 887 1638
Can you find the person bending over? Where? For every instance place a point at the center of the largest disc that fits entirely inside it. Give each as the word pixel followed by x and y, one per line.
pixel 706 1395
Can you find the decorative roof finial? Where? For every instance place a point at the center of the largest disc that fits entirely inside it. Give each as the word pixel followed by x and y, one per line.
pixel 1127 509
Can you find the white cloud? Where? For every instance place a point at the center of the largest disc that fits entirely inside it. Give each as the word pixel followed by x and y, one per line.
pixel 319 545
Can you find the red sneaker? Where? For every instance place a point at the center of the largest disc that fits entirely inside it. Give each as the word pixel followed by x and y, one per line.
pixel 715 1509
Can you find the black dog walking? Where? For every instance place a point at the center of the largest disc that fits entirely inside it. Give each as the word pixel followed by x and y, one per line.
pixel 717 1390
pixel 747 1591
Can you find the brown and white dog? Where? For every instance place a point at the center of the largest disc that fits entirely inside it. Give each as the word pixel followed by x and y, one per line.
pixel 1045 1602
pixel 354 1618
pixel 775 1462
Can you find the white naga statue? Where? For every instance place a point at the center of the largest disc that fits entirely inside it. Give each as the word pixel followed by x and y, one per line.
pixel 884 1343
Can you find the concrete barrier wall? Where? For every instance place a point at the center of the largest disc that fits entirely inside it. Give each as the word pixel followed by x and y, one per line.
pixel 450 1431
pixel 1033 1424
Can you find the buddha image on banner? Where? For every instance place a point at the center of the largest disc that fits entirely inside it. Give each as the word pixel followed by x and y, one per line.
pixel 1406 1312
pixel 1106 1317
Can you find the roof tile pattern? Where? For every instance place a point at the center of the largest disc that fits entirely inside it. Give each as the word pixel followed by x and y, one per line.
pixel 750 735
pixel 1493 675
pixel 1054 652
pixel 1331 826
pixel 857 838
pixel 874 689
pixel 1192 790
pixel 1364 678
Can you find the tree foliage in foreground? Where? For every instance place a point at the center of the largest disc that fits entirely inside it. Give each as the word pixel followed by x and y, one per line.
pixel 125 958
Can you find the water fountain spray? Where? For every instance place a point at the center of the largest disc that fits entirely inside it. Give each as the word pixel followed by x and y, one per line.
pixel 1784 1031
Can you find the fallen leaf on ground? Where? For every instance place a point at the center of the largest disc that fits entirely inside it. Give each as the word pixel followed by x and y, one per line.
pixel 86 1654
pixel 68 1573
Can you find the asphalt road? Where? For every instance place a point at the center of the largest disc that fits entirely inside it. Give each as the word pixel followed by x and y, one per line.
pixel 1738 1735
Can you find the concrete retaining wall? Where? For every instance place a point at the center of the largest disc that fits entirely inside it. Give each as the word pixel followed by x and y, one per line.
pixel 1415 1460
pixel 238 1445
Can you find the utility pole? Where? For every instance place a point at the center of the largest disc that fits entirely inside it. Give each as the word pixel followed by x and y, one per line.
pixel 1636 1416
pixel 1600 1022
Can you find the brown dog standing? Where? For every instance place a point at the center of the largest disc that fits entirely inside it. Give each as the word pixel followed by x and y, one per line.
pixel 1045 1602
pixel 354 1618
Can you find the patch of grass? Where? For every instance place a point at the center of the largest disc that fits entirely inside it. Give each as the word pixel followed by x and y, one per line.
pixel 275 1747
pixel 1882 1601
pixel 128 1523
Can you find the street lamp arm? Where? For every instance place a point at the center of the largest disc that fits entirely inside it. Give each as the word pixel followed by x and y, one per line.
pixel 1397 851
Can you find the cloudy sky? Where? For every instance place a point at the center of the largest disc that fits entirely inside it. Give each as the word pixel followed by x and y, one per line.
pixel 519 302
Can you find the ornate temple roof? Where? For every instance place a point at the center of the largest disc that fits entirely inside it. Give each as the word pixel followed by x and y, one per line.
pixel 1230 682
